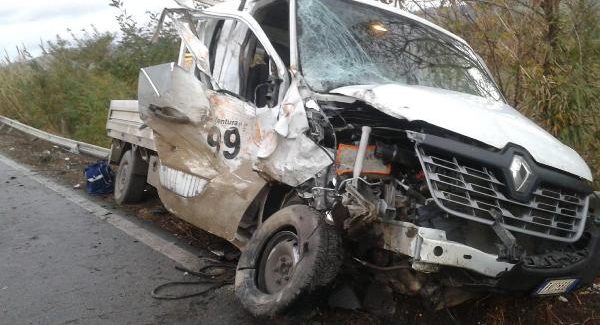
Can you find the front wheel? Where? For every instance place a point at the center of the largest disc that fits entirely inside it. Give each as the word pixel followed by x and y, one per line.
pixel 290 256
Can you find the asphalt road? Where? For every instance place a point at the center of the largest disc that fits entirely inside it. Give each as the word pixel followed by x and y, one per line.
pixel 60 264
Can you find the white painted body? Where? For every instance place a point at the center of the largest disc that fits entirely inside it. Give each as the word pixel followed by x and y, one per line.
pixel 201 184
pixel 491 122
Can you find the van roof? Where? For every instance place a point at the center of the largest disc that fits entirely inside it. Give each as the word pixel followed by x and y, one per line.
pixel 230 6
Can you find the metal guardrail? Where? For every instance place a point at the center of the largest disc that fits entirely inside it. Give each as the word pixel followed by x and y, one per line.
pixel 73 145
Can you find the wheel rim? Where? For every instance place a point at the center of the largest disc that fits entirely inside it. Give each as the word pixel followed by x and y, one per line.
pixel 122 177
pixel 278 262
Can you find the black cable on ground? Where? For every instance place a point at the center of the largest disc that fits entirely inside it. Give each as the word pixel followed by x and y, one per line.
pixel 215 274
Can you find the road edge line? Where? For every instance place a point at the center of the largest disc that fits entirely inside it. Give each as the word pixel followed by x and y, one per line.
pixel 170 249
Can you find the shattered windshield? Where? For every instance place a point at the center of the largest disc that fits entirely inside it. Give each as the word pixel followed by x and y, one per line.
pixel 344 43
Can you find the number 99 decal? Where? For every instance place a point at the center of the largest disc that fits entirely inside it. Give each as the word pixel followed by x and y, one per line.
pixel 231 140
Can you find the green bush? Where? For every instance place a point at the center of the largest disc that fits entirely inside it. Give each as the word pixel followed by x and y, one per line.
pixel 67 90
pixel 545 56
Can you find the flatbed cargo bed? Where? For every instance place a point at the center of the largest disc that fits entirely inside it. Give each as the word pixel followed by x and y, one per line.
pixel 124 123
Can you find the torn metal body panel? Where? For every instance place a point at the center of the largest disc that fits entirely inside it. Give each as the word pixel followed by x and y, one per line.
pixel 294 158
pixel 211 141
pixel 390 133
pixel 430 249
pixel 294 161
pixel 292 120
pixel 190 148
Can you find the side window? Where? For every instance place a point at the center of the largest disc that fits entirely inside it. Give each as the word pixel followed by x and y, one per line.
pixel 186 59
pixel 274 18
pixel 239 62
pixel 214 33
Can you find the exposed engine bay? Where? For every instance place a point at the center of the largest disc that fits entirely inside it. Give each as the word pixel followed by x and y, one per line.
pixel 381 193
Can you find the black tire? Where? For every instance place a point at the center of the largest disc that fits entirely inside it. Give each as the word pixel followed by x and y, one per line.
pixel 130 181
pixel 319 258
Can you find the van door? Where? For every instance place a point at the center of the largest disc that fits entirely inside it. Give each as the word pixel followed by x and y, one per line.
pixel 205 128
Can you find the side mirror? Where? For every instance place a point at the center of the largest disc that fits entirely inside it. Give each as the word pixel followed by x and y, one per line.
pixel 266 93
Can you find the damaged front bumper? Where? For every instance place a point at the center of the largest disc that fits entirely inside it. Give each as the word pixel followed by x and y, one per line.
pixel 430 250
pixel 582 264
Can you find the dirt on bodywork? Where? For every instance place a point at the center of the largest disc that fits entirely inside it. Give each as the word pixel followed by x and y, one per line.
pixel 582 307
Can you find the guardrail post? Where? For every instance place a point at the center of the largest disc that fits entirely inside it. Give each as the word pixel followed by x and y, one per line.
pixel 75 148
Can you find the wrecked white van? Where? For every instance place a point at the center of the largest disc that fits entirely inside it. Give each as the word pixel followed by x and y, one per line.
pixel 326 135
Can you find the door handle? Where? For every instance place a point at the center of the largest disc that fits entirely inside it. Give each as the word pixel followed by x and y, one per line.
pixel 169 114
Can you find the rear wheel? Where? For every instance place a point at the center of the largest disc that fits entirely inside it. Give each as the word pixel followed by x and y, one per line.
pixel 131 178
pixel 292 255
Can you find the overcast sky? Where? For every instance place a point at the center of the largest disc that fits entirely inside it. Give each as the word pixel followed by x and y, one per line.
pixel 25 22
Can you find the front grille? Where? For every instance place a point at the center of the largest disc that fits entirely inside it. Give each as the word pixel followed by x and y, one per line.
pixel 469 190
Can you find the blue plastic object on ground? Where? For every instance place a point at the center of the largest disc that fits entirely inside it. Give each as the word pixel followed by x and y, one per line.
pixel 99 178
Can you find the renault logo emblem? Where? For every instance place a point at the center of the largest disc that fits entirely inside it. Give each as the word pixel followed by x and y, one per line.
pixel 521 173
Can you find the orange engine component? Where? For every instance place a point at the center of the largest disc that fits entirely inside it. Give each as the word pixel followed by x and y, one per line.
pixel 346 156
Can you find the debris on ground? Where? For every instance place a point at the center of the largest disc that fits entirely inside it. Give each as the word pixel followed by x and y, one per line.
pixel 344 297
pixel 594 289
pixel 215 274
pixel 45 156
pixel 379 300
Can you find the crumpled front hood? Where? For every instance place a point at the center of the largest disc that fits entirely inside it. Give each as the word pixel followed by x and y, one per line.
pixel 485 120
